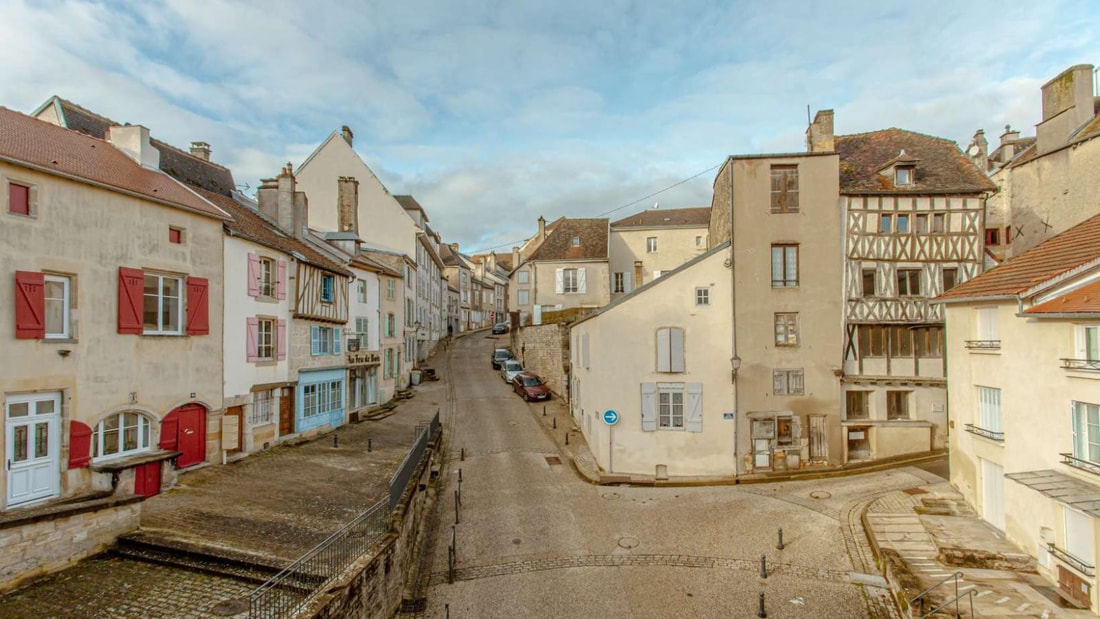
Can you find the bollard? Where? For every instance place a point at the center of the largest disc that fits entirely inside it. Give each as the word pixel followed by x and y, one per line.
pixel 460 476
pixel 462 454
pixel 779 546
pixel 370 444
pixel 451 558
pixel 335 441
pixel 760 612
pixel 543 410
pixel 566 438
pixel 446 611
pixel 555 422
pixel 763 566
pixel 456 506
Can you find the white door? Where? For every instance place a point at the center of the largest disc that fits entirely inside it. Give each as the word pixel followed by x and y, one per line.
pixel 762 453
pixel 31 446
pixel 993 493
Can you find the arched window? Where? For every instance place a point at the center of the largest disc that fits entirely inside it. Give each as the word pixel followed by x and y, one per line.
pixel 120 434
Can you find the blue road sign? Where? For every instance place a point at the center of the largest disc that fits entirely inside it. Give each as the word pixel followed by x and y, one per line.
pixel 610 417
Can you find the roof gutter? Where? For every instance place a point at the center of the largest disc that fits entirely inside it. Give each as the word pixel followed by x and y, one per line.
pixel 977 299
pixel 1061 315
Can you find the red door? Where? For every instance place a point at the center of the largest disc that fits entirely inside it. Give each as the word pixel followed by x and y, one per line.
pixel 147 479
pixel 184 430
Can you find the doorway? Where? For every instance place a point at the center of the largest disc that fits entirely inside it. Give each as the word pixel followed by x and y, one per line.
pixel 286 412
pixel 993 493
pixel 31 445
pixel 819 445
pixel 763 432
pixel 184 430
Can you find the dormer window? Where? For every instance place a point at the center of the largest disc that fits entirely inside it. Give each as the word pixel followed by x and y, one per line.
pixel 576 241
pixel 903 176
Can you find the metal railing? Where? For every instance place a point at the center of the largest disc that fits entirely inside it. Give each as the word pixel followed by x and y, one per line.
pixel 1072 561
pixel 971 594
pixel 425 430
pixel 919 600
pixel 983 344
pixel 990 434
pixel 1085 465
pixel 1088 365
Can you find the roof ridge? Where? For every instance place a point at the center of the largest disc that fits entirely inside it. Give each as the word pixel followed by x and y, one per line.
pixel 183 152
pixel 910 131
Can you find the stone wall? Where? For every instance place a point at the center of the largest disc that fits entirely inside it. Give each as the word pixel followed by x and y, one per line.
pixel 38 542
pixel 544 350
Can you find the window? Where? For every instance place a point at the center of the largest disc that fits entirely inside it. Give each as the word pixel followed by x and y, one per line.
pixel 900 341
pixel 872 341
pixel 57 306
pixel 265 339
pixel 175 235
pixel 1079 536
pixel 785 430
pixel 19 199
pixel 784 266
pixel 987 324
pixel 787 382
pixel 908 282
pixel 408 277
pixel 992 236
pixel 938 224
pixel 784 189
pixel 1086 432
pixel 869 283
pixel 362 332
pixel 702 296
pixel 651 244
pixel 322 398
pixel 569 281
pixel 523 277
pixel 267 277
pixel 327 284
pixel 1088 342
pixel 576 241
pixel 389 288
pixel 928 342
pixel 119 435
pixel 617 282
pixel 897 405
pixel 409 312
pixel 921 224
pixel 361 291
pixel 903 224
pixel 391 325
pixel 786 329
pixel 903 176
pixel 950 278
pixel 698 241
pixel 857 405
pixel 989 407
pixel 263 408
pixel 670 406
pixel 324 341
pixel 670 349
pixel 524 297
pixel 163 304
pixel 885 224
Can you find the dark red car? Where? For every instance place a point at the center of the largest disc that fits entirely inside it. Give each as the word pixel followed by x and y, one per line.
pixel 530 387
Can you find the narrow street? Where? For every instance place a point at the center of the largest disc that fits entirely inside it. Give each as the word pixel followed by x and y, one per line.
pixel 533 539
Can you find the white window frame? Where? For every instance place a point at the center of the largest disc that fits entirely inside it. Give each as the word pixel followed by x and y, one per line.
pixel 66 311
pixel 362 332
pixel 362 291
pixel 328 284
pixel 667 415
pixel 320 341
pixel 567 286
pixel 144 429
pixel 1086 431
pixel 788 381
pixel 702 295
pixel 903 176
pixel 322 398
pixel 989 409
pixel 266 340
pixel 263 408
pixel 267 277
pixel 1077 529
pixel 523 277
pixel 986 319
pixel 1086 350
pixel 651 244
pixel 787 329
pixel 160 329
pixel 523 297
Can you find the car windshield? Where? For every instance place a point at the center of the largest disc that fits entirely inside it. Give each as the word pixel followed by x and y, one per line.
pixel 503 354
pixel 531 381
pixel 513 366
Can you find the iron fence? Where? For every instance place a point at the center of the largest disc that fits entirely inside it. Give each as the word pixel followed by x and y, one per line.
pixel 425 430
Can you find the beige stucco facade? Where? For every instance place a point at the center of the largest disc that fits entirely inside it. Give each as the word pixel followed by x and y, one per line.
pixel 628 246
pixel 538 283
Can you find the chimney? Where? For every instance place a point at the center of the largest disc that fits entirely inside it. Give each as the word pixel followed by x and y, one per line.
pixel 1067 104
pixel 978 150
pixel 349 137
pixel 1008 148
pixel 542 229
pixel 454 246
pixel 492 260
pixel 133 141
pixel 515 257
pixel 268 197
pixel 200 150
pixel 819 135
pixel 347 204
pixel 280 201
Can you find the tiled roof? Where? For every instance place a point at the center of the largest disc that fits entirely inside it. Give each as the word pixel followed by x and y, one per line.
pixel 449 256
pixel 657 217
pixel 940 167
pixel 592 234
pixel 409 203
pixel 392 262
pixel 182 165
pixel 1084 300
pixel 25 139
pixel 1055 256
pixel 255 226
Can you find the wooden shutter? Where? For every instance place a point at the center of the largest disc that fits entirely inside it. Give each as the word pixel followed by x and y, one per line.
pixel 559 281
pixel 337 333
pixel 649 407
pixel 676 350
pixel 30 305
pixel 663 360
pixel 80 445
pixel 131 300
pixel 252 338
pixel 253 275
pixel 315 340
pixel 582 285
pixel 169 431
pixel 281 339
pixel 694 407
pixel 198 306
pixel 280 282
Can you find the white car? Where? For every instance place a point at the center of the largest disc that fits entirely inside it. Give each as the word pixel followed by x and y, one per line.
pixel 509 369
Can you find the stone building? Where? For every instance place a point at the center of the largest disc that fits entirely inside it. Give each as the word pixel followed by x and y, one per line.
pixel 644 245
pixel 568 268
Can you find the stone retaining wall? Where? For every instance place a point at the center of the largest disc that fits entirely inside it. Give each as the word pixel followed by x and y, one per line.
pixel 544 350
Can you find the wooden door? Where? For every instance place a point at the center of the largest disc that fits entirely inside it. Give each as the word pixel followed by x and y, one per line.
pixel 819 446
pixel 286 412
pixel 147 479
pixel 191 435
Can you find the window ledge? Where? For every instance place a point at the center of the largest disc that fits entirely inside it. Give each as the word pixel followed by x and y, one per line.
pixel 984 346
pixel 60 340
pixel 997 437
pixel 116 465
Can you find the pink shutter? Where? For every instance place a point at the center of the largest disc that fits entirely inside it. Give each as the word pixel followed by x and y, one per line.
pixel 281 281
pixel 198 306
pixel 252 334
pixel 253 275
pixel 131 300
pixel 30 305
pixel 281 335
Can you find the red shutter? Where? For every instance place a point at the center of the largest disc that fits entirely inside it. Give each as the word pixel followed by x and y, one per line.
pixel 281 335
pixel 30 305
pixel 169 431
pixel 281 281
pixel 198 306
pixel 131 300
pixel 80 445
pixel 253 275
pixel 252 335
pixel 19 199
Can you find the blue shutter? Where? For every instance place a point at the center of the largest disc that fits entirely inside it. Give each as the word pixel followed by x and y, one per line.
pixel 315 340
pixel 336 334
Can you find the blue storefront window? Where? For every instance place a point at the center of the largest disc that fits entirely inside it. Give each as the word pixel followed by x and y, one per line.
pixel 320 399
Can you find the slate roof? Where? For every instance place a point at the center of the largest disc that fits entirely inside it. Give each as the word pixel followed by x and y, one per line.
pixel 1084 300
pixel 1057 255
pixel 50 148
pixel 449 256
pixel 409 203
pixel 658 217
pixel 180 164
pixel 256 227
pixel 559 245
pixel 940 167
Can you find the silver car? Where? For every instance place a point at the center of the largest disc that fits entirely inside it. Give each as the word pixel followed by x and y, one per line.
pixel 509 369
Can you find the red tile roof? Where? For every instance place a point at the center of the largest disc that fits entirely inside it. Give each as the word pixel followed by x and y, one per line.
pixel 1055 256
pixel 940 166
pixel 52 149
pixel 658 217
pixel 592 234
pixel 1084 300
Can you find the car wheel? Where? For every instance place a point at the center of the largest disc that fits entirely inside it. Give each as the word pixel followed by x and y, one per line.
pixel 526 398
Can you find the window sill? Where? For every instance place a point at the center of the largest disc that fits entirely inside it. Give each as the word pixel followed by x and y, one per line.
pixel 60 340
pixel 161 336
pixel 115 465
pixel 267 363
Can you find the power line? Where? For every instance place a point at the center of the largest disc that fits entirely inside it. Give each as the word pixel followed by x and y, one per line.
pixel 618 208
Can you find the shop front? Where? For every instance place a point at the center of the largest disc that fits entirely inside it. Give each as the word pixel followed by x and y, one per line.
pixel 362 380
pixel 320 399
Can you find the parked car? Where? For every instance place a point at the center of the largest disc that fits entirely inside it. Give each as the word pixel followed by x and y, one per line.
pixel 500 355
pixel 500 327
pixel 530 387
pixel 509 369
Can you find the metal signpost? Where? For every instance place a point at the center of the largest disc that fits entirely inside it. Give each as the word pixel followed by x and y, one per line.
pixel 611 418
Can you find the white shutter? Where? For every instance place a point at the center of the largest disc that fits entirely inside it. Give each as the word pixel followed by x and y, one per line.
pixel 649 407
pixel 663 364
pixel 582 286
pixel 694 406
pixel 628 281
pixel 676 350
pixel 559 281
pixel 584 349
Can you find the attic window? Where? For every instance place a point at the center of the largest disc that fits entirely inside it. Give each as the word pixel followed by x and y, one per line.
pixel 576 241
pixel 903 176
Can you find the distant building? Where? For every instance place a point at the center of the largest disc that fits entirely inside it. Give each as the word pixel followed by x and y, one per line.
pixel 568 268
pixel 647 244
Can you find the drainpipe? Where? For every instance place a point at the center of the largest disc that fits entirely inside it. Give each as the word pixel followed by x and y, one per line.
pixel 733 330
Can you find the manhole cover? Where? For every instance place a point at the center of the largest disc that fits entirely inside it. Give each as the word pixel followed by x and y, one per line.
pixel 628 542
pixel 610 496
pixel 228 608
pixel 820 494
pixel 553 460
pixel 914 491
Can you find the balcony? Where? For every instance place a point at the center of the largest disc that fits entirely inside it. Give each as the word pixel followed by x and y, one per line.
pixel 1085 465
pixel 989 434
pixel 983 344
pixel 1072 561
pixel 1085 365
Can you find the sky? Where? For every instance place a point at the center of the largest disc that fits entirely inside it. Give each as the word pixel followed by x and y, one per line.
pixel 492 113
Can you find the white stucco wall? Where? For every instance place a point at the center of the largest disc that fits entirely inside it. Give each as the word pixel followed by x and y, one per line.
pixel 675 246
pixel 241 375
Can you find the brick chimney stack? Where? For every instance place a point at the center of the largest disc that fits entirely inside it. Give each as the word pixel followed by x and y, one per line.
pixel 201 150
pixel 542 229
pixel 280 201
pixel 347 203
